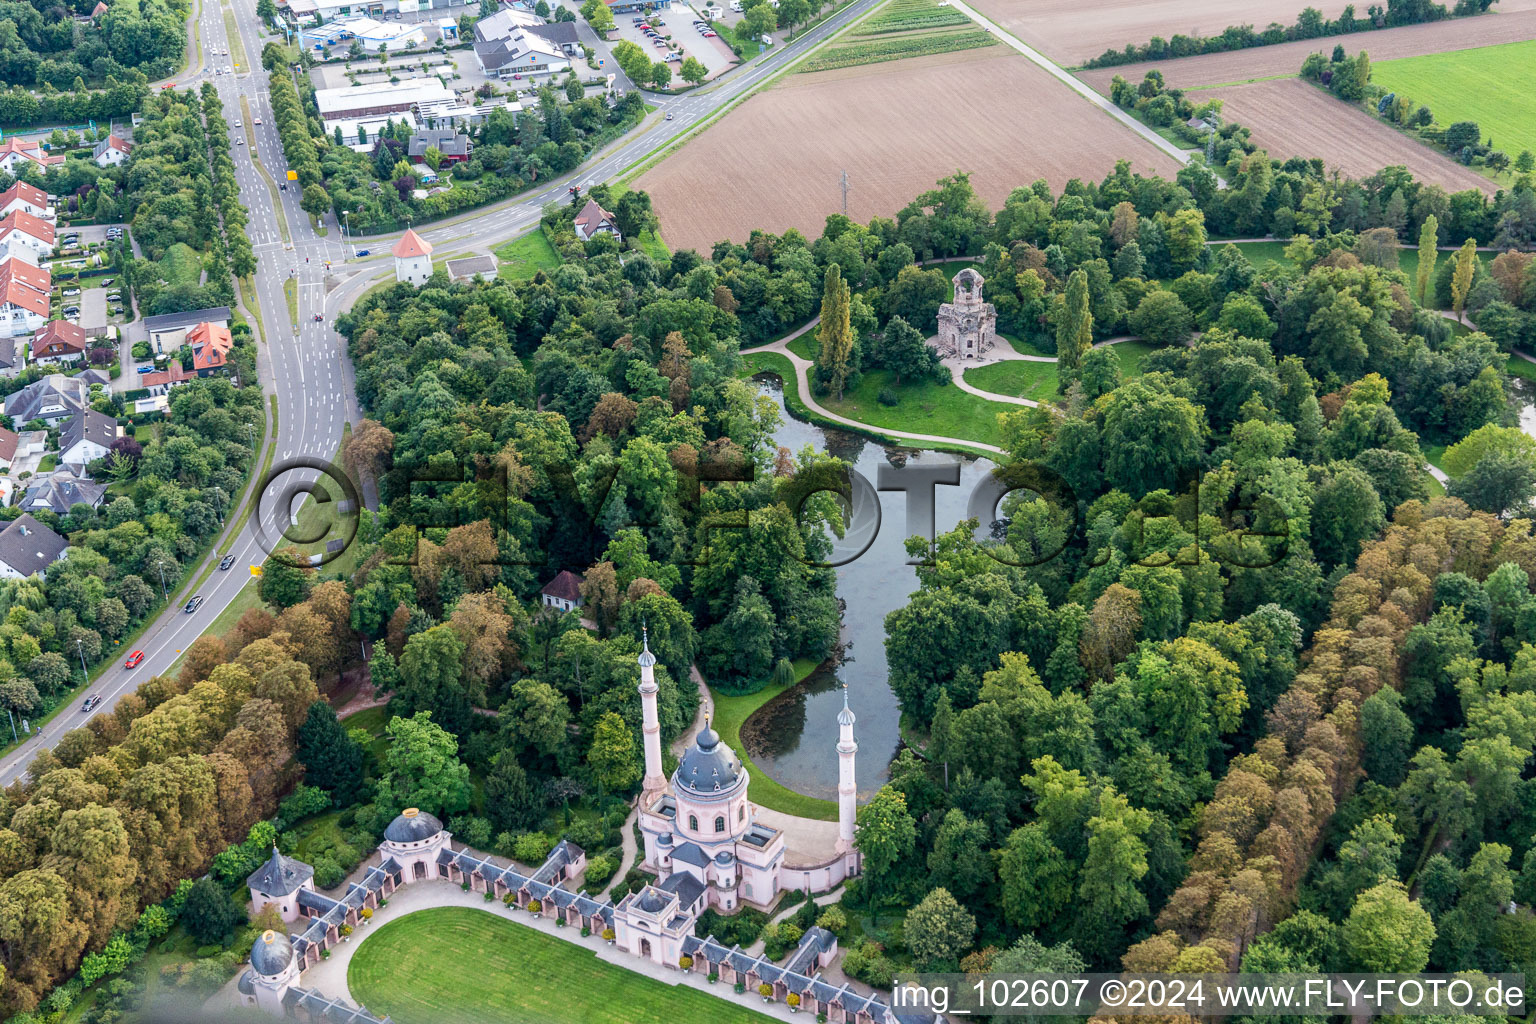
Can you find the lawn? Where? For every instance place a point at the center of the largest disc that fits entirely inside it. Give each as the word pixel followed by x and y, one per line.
pixel 1521 368
pixel 524 257
pixel 451 964
pixel 1492 85
pixel 925 408
pixel 1037 381
pixel 730 713
pixel 181 265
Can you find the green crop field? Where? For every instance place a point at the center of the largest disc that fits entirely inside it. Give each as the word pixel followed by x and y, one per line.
pixel 906 15
pixel 1492 85
pixel 458 964
pixel 903 28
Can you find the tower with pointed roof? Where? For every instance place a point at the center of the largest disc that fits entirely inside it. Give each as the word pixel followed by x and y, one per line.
pixel 413 258
pixel 847 788
pixel 655 780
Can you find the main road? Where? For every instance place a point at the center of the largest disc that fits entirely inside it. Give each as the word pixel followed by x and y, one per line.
pixel 305 365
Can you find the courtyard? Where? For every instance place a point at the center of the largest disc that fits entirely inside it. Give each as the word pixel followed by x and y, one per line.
pixel 449 964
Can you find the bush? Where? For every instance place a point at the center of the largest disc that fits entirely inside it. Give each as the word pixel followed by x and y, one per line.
pixel 685 962
pixel 531 848
pixel 888 397
pixel 600 870
pixel 833 919
pixel 328 872
pixel 869 964
pixel 742 927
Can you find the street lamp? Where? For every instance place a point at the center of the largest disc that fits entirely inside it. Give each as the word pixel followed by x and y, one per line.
pixel 80 649
pixel 345 233
pixel 163 593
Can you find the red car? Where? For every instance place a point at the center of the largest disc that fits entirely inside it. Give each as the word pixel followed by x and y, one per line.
pixel 134 660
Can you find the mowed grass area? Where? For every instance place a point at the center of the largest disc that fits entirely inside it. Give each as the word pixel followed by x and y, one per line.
pixel 524 257
pixel 1037 381
pixel 924 408
pixel 731 712
pixel 1492 85
pixel 456 964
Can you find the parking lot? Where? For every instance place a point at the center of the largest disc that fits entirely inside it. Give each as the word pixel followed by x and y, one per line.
pixel 677 31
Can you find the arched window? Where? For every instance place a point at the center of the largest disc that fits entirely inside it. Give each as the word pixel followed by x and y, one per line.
pixel 693 822
pixel 720 823
pixel 741 813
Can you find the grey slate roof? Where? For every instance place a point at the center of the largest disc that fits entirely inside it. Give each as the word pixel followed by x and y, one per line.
pixel 323 1008
pixel 687 888
pixel 709 765
pixel 447 141
pixel 412 826
pixel 62 490
pixel 561 33
pixel 691 853
pixel 88 425
pixel 191 318
pixel 26 405
pixel 280 875
pixel 811 986
pixel 271 953
pixel 28 546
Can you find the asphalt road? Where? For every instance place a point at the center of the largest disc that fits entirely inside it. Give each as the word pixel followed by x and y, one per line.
pixel 307 369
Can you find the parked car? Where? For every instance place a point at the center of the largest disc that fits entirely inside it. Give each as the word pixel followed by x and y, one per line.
pixel 72 311
pixel 71 291
pixel 194 604
pixel 91 702
pixel 117 311
pixel 147 369
pixel 226 562
pixel 107 281
pixel 709 35
pixel 134 660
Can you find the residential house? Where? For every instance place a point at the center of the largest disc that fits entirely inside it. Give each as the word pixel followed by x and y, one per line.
pixel 454 146
pixel 59 341
pixel 99 9
pixel 13 357
pixel 563 593
pixel 413 258
pixel 111 151
pixel 168 331
pixel 9 443
pixel 159 382
pixel 26 198
pixel 53 399
pixel 86 437
pixel 18 153
pixel 210 343
pixel 26 237
pixel 62 490
pixel 593 220
pixel 24 303
pixel 27 547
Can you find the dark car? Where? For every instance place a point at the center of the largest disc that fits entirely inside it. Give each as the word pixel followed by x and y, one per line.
pixel 194 604
pixel 362 252
pixel 91 702
pixel 226 562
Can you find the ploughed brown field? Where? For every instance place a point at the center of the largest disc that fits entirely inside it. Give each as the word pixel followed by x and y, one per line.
pixel 1071 32
pixel 1290 117
pixel 1509 26
pixel 896 127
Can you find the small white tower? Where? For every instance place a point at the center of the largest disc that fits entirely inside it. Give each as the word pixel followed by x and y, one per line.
pixel 655 781
pixel 413 258
pixel 847 788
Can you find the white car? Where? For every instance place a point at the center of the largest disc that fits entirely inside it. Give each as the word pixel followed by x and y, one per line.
pixel 239 124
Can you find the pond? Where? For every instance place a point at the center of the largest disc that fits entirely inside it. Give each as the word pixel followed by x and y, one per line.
pixel 793 736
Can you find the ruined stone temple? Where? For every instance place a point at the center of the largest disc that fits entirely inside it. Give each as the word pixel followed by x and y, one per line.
pixel 967 326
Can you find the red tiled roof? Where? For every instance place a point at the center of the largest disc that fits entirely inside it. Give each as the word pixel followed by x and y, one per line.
pixel 116 143
pixel 592 216
pixel 25 222
pixel 566 586
pixel 210 345
pixel 58 338
pixel 172 374
pixel 25 192
pixel 24 285
pixel 411 244
pixel 31 149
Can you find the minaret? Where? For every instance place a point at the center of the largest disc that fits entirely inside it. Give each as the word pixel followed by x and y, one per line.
pixel 847 788
pixel 654 781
